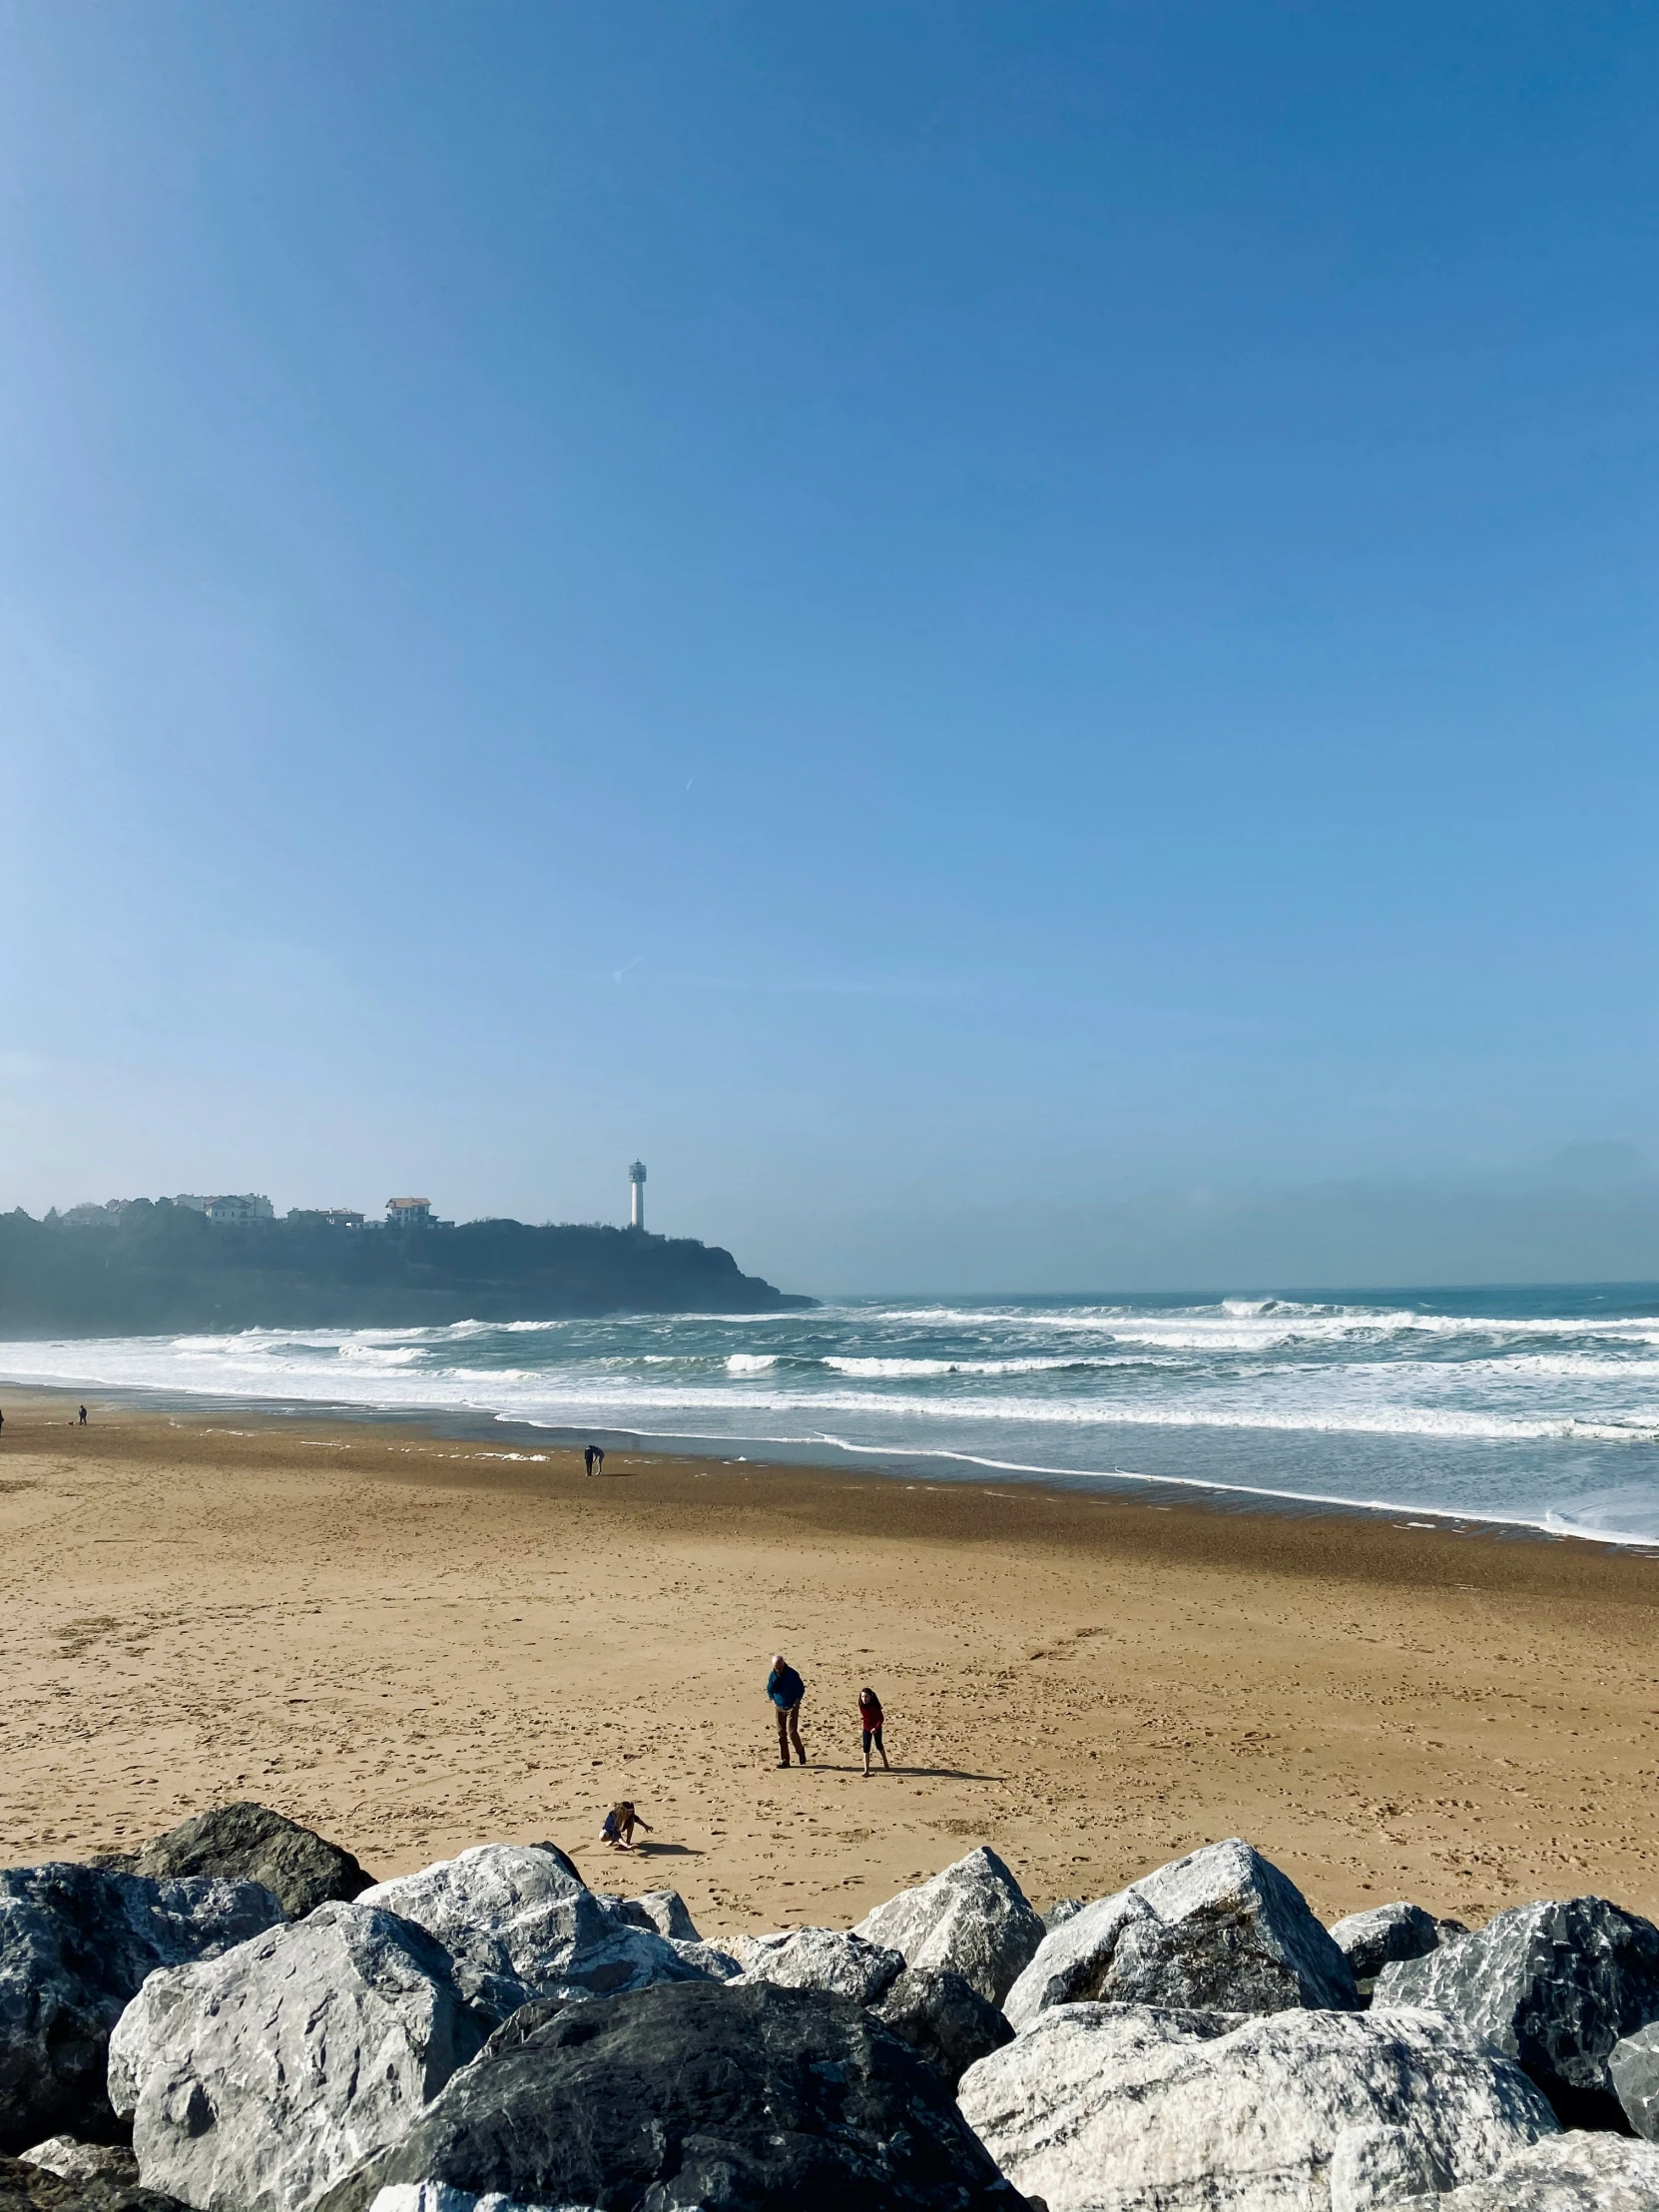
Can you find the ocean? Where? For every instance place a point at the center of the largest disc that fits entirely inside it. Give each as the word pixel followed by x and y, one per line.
pixel 1537 1406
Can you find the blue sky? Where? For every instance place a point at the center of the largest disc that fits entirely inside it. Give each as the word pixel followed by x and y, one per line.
pixel 974 627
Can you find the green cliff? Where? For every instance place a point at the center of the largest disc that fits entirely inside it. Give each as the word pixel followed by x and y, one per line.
pixel 155 1268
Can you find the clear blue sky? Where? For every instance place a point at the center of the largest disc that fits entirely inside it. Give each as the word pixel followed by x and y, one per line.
pixel 967 624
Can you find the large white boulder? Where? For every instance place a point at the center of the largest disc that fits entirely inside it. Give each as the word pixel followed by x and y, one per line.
pixel 1576 2172
pixel 74 1945
pixel 827 1958
pixel 1129 2108
pixel 518 1915
pixel 1221 1930
pixel 972 1919
pixel 254 2081
pixel 1556 1985
pixel 490 1905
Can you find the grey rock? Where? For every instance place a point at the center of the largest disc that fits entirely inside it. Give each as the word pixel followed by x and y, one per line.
pixel 1221 1930
pixel 74 1945
pixel 709 1958
pixel 1379 2163
pixel 564 1860
pixel 1576 2172
pixel 943 2017
pixel 1386 1934
pixel 720 2097
pixel 250 1843
pixel 1554 1986
pixel 1633 2071
pixel 1129 2108
pixel 824 1958
pixel 76 2161
pixel 25 2187
pixel 518 2027
pixel 437 2196
pixel 972 1919
pixel 1061 1910
pixel 257 2080
pixel 664 1910
pixel 516 1915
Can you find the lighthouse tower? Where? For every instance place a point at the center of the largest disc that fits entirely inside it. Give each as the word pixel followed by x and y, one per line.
pixel 636 1189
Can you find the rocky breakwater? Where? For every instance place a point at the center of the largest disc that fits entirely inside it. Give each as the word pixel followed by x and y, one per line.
pixel 491 2035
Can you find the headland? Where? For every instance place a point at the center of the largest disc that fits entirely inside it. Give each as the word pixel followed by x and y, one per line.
pixel 148 1266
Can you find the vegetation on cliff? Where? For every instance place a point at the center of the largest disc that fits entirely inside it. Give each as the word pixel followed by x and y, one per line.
pixel 155 1266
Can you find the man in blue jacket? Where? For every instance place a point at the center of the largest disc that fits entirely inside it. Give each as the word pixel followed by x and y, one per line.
pixel 785 1690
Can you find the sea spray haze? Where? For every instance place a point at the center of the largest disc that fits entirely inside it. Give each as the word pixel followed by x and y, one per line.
pixel 1534 1405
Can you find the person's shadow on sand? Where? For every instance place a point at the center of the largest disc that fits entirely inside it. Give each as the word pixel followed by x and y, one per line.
pixel 666 1851
pixel 912 1773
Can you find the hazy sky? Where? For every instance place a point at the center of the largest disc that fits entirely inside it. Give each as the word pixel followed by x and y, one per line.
pixel 982 630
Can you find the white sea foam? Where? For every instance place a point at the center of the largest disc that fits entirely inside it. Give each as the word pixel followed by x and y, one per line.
pixel 1508 1413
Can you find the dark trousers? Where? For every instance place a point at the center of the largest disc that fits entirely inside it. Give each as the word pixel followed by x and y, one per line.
pixel 789 1731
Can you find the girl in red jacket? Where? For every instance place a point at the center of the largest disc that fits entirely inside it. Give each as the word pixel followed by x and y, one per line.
pixel 870 1720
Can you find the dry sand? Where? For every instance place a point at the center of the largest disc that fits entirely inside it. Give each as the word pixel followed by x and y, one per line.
pixel 415 1642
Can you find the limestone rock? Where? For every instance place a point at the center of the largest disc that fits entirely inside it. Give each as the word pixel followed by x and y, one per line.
pixel 70 2160
pixel 1554 1986
pixel 1061 1910
pixel 25 2187
pixel 257 2080
pixel 1633 2071
pixel 74 1945
pixel 517 1913
pixel 437 2196
pixel 1377 2164
pixel 709 1958
pixel 250 1843
pixel 1116 2108
pixel 972 1919
pixel 663 1909
pixel 1220 1930
pixel 519 2027
pixel 1577 2172
pixel 943 2017
pixel 1375 1938
pixel 824 1958
pixel 730 2097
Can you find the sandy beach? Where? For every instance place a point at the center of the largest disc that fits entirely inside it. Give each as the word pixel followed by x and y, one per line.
pixel 415 1642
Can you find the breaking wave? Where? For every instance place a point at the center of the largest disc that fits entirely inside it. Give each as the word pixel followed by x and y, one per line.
pixel 1539 1407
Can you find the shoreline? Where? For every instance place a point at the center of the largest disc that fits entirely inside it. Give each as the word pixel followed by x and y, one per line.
pixel 830 1456
pixel 415 1641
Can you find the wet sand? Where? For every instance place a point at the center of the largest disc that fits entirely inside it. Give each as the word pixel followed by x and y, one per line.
pixel 415 1642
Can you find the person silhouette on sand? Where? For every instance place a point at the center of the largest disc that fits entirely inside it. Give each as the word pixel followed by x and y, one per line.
pixel 620 1824
pixel 594 1460
pixel 870 1721
pixel 785 1690
pixel 82 1420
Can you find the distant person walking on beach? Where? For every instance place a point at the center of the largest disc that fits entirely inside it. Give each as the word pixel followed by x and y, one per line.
pixel 620 1824
pixel 594 1460
pixel 870 1720
pixel 83 1421
pixel 785 1690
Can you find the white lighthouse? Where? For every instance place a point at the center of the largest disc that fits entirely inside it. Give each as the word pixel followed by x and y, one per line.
pixel 636 1195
